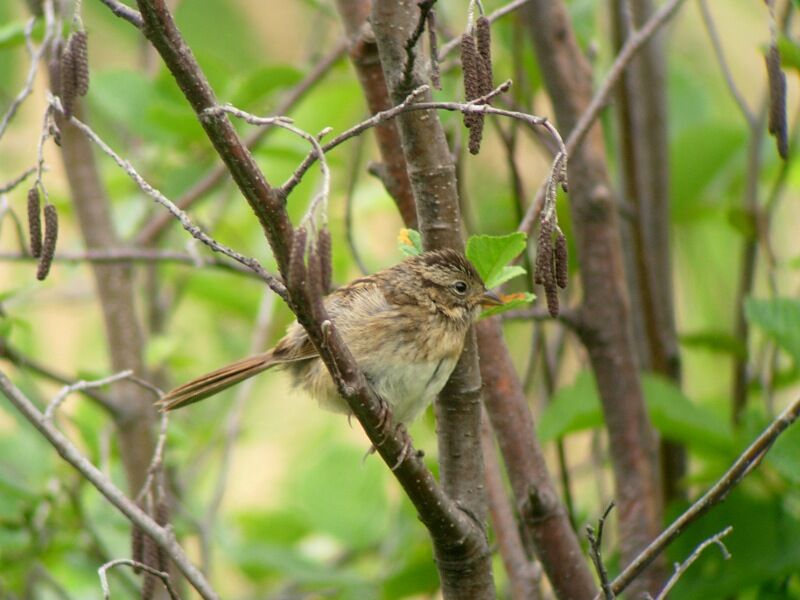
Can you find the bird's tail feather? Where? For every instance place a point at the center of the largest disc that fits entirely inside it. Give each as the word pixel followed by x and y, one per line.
pixel 216 381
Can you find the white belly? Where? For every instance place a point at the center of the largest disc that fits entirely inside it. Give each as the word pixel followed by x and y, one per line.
pixel 410 388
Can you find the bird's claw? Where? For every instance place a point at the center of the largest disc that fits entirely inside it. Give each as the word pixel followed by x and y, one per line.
pixel 402 433
pixel 384 418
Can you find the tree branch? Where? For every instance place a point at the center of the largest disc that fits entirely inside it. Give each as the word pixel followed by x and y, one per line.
pixel 465 569
pixel 130 255
pixel 366 62
pixel 681 568
pixel 741 467
pixel 605 311
pixel 544 520
pixel 447 523
pixel 162 536
pixel 158 224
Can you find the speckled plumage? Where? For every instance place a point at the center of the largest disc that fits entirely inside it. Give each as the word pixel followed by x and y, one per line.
pixel 404 325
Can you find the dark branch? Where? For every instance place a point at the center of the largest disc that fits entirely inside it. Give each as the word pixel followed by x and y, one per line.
pixel 743 465
pixel 425 7
pixel 596 552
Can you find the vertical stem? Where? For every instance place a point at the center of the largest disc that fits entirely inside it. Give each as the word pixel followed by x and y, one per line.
pixel 115 292
pixel 432 176
pixel 605 312
pixel 365 59
pixel 521 570
pixel 544 519
pixel 644 166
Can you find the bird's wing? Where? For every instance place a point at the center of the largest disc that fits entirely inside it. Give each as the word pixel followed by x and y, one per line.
pixel 349 307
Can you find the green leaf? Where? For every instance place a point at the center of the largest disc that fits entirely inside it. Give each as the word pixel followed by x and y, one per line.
pixel 681 420
pixel 509 302
pixel 780 320
pixel 790 52
pixel 699 156
pixel 491 253
pixel 410 242
pixel 573 408
pixel 577 407
pixel 742 221
pixel 763 545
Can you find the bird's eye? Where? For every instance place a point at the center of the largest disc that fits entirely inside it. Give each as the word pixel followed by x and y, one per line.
pixel 460 287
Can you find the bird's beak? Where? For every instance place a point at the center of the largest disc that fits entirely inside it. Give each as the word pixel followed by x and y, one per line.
pixel 489 298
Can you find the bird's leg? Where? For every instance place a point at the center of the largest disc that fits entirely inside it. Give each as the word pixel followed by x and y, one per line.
pixel 402 433
pixel 384 417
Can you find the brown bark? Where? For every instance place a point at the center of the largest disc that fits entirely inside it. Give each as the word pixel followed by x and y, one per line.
pixel 523 580
pixel 460 542
pixel 545 520
pixel 432 175
pixel 605 313
pixel 367 64
pixel 133 411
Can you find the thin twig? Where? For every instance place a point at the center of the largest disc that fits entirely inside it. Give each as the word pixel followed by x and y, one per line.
pixel 286 123
pixel 716 44
pixel 628 51
pixel 493 16
pixel 632 45
pixel 127 13
pixel 718 492
pixel 595 551
pixel 7 187
pixel 15 357
pixel 162 536
pixel 251 263
pixel 164 577
pixel 80 386
pixel 35 56
pixel 158 456
pixel 476 106
pixel 160 221
pixel 681 568
pixel 147 255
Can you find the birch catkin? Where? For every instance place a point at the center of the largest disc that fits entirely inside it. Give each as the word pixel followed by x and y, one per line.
pixel 777 101
pixel 67 78
pixel 49 245
pixel 35 221
pixel 78 46
pixel 561 260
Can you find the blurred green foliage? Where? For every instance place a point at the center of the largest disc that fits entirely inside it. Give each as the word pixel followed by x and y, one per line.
pixel 303 513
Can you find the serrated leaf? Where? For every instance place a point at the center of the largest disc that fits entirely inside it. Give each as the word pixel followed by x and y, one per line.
pixel 506 273
pixel 780 320
pixel 491 254
pixel 409 242
pixel 510 301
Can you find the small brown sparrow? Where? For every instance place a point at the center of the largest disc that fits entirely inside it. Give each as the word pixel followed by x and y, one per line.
pixel 405 327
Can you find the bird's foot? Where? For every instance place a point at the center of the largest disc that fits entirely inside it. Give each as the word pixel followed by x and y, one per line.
pixel 384 419
pixel 402 433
